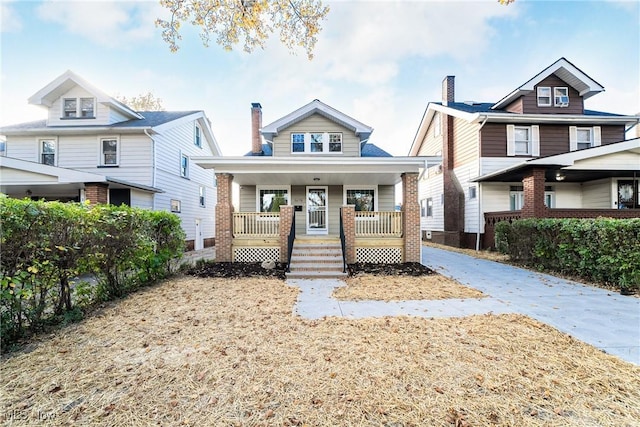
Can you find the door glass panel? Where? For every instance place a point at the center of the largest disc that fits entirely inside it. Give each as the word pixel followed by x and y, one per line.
pixel 317 209
pixel 626 195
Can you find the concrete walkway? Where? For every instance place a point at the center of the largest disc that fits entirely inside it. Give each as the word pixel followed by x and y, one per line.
pixel 604 319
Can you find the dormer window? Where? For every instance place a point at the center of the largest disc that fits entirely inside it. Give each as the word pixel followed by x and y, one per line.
pixel 544 97
pixel 73 108
pixel 561 96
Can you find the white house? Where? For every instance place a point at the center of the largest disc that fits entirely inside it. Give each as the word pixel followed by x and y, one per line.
pixel 93 147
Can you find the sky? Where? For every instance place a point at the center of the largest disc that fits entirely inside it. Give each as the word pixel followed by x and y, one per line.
pixel 379 62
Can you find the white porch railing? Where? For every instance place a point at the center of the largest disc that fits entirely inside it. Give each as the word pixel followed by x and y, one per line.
pixel 256 224
pixel 378 224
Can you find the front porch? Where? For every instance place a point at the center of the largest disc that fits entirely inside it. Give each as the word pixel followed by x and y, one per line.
pixel 371 236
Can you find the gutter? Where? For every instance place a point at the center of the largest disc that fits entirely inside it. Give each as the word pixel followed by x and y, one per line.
pixel 153 168
pixel 480 185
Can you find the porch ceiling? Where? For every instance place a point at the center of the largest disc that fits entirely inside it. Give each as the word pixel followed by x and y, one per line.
pixel 315 171
pixel 570 175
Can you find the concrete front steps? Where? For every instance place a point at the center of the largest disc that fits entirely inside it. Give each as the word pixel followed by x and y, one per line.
pixel 316 258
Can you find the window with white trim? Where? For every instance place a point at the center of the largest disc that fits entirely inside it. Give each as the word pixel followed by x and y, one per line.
pixel 202 196
pixel 184 166
pixel 584 137
pixel 48 149
pixel 270 198
pixel 423 208
pixel 364 198
pixel 516 197
pixel 73 108
pixel 429 212
pixel 472 192
pixel 109 149
pixel 544 96
pixel 316 142
pixel 176 206
pixel 197 137
pixel 522 140
pixel 561 96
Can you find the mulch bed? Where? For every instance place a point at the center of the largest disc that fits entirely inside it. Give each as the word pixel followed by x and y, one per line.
pixel 236 270
pixel 403 269
pixel 255 269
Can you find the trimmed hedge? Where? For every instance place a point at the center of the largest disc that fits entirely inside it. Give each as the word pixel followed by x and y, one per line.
pixel 602 250
pixel 46 246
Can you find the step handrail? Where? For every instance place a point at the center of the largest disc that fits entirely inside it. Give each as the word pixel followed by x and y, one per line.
pixel 343 244
pixel 290 239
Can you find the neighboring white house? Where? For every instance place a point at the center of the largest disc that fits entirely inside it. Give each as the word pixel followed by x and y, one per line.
pixel 93 147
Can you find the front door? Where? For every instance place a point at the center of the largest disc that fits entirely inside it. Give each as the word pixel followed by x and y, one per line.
pixel 317 210
pixel 627 195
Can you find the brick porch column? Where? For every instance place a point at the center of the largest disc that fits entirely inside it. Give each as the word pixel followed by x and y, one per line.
pixel 96 192
pixel 224 218
pixel 533 186
pixel 286 219
pixel 349 228
pixel 411 218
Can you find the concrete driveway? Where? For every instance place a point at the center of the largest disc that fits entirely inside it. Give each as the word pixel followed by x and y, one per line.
pixel 604 319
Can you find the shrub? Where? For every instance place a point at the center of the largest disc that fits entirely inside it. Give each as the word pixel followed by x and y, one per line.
pixel 602 250
pixel 47 244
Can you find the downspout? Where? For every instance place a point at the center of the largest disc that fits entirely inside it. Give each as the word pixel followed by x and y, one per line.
pixel 479 184
pixel 153 168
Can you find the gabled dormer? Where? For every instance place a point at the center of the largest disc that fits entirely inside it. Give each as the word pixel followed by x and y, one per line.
pixel 561 88
pixel 316 129
pixel 72 101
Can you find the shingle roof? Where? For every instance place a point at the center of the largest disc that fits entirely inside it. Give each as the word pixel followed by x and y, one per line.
pixel 476 107
pixel 266 151
pixel 369 150
pixel 155 118
pixel 151 119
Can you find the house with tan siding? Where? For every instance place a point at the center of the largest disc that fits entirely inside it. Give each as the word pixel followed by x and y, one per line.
pixel 93 148
pixel 537 152
pixel 312 182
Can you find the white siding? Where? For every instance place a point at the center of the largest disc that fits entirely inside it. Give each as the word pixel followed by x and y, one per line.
pixel 617 161
pixel 432 187
pixel 23 148
pixel 465 174
pixel 55 111
pixel 495 196
pixel 492 164
pixel 83 153
pixel 597 194
pixel 568 195
pixel 141 199
pixel 170 144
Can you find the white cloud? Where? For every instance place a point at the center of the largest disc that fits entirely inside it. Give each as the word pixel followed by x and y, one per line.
pixel 111 24
pixel 10 20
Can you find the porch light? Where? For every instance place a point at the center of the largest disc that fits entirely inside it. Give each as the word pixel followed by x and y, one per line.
pixel 559 176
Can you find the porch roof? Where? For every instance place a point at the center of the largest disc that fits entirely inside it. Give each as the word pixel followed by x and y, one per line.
pixel 316 170
pixel 621 159
pixel 18 176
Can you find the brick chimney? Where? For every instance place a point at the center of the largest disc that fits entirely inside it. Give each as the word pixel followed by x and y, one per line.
pixel 256 125
pixel 448 90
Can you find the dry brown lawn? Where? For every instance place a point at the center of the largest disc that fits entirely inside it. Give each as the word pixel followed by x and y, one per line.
pixel 399 288
pixel 223 352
